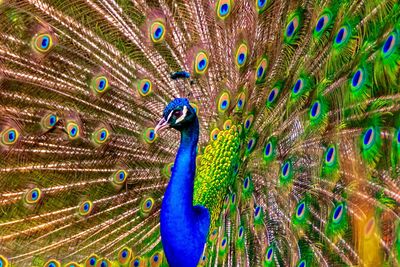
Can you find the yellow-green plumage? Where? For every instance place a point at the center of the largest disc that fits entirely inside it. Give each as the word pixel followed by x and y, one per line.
pixel 216 172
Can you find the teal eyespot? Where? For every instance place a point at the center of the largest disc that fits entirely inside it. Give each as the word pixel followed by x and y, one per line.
pixel 300 210
pixel 100 136
pixel 286 169
pixel 261 69
pixel 9 136
pixel 227 124
pixel 49 121
pixel 91 261
pixel 223 243
pixel 147 205
pixel 213 235
pixel 390 45
pixel 240 101
pixel 269 255
pixel 248 122
pixel 370 144
pixel 322 23
pixel 167 170
pixel 258 215
pixel 330 155
pixel 358 79
pixel 72 130
pixel 124 255
pixel 286 173
pixel 241 232
pixel 157 31
pixel 246 183
pixel 226 201
pixel 338 213
pixel 342 36
pixel 100 84
pixel 236 168
pixel 273 94
pixel 241 55
pixel 119 177
pixel 233 198
pixel 214 134
pixel 302 263
pixel 51 263
pixel 137 262
pixel 292 27
pixel 85 208
pixel 3 261
pixel 201 62
pixel 315 110
pixel 223 102
pixel 42 43
pixel 33 196
pixel 145 87
pixel 203 260
pixel 298 86
pixel 251 145
pixel 247 187
pixel 103 135
pixel 268 150
pixel 45 42
pixel 369 138
pixel 261 5
pixel 224 8
pixel 156 259
pixel 150 135
pixel 52 120
pixel 104 263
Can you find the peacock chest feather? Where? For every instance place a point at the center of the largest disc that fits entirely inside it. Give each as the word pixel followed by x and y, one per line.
pixel 218 165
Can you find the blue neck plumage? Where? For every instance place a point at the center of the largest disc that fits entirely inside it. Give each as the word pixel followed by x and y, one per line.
pixel 182 178
pixel 184 227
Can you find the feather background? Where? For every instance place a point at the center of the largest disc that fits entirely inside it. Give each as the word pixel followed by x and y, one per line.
pixel 312 86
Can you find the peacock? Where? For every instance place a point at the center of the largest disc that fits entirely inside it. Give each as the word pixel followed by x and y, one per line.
pixel 199 133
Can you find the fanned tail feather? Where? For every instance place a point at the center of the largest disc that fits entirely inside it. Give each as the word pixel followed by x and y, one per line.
pixel 299 153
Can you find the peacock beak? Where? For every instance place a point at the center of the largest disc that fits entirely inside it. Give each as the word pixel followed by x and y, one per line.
pixel 161 125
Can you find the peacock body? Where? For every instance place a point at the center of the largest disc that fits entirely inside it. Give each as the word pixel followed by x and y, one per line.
pixel 286 142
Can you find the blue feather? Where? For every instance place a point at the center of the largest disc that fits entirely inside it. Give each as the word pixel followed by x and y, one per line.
pixel 184 228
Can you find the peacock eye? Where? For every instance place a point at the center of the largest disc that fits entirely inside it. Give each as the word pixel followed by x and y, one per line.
pixel 177 113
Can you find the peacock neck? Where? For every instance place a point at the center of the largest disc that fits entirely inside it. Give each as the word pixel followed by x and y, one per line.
pixel 190 137
pixel 184 227
pixel 181 184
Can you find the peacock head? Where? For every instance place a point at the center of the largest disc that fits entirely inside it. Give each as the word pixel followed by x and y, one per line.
pixel 178 114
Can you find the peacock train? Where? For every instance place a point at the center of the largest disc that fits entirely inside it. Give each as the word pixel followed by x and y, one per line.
pixel 155 133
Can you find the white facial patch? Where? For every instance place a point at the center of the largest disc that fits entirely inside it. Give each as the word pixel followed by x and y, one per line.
pixel 181 118
pixel 169 116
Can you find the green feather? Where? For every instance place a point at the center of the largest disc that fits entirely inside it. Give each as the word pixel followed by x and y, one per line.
pixel 338 221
